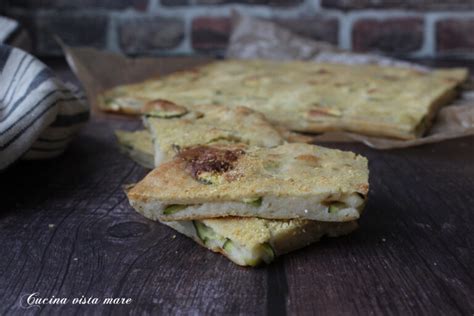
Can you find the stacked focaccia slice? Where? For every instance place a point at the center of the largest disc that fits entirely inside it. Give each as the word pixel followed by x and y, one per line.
pixel 209 124
pixel 232 184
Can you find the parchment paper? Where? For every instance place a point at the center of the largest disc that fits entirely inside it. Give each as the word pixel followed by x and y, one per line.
pixel 101 70
pixel 253 38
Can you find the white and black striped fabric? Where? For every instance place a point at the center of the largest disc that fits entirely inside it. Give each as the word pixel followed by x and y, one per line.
pixel 39 114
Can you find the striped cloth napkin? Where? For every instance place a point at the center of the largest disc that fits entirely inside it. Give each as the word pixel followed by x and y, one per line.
pixel 39 114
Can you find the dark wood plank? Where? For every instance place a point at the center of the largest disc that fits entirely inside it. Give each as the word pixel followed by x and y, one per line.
pixel 67 230
pixel 413 251
pixel 100 247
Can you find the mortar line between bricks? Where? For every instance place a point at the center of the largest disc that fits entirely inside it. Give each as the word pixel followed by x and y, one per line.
pixel 152 5
pixel 316 4
pixel 186 44
pixel 224 10
pixel 428 47
pixel 345 33
pixel 256 10
pixel 112 36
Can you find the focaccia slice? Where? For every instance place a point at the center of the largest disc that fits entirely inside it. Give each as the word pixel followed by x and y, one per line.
pixel 253 241
pixel 209 125
pixel 203 182
pixel 212 124
pixel 306 96
pixel 138 145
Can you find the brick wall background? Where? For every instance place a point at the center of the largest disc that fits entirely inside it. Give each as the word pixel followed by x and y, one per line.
pixel 411 28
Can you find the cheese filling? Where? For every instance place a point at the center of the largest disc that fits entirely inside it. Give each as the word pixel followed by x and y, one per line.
pixel 343 208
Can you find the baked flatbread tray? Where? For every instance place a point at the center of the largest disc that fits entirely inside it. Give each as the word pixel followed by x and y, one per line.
pixel 284 182
pixel 305 96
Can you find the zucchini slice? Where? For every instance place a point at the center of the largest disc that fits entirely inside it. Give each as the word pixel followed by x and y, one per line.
pixel 173 208
pixel 336 206
pixel 257 202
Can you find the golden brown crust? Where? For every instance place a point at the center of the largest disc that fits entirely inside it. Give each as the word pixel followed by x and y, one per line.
pixel 260 172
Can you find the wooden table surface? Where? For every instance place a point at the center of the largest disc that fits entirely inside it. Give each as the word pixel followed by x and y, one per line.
pixel 67 230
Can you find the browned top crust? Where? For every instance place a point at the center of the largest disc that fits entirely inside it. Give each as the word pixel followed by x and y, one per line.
pixel 201 159
pixel 210 125
pixel 234 173
pixel 163 108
